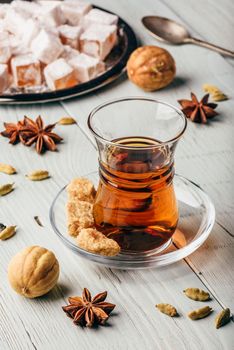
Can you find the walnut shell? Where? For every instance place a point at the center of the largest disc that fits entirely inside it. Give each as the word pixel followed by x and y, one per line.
pixel 33 272
pixel 151 68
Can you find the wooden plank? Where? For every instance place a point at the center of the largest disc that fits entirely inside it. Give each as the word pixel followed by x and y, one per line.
pixel 37 323
pixel 205 155
pixel 211 21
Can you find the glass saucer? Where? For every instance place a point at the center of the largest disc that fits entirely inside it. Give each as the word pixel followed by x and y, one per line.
pixel 197 217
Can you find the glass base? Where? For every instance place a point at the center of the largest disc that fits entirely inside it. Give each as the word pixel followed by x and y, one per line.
pixel 197 217
pixel 148 252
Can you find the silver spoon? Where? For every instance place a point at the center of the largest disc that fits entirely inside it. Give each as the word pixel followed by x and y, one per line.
pixel 169 31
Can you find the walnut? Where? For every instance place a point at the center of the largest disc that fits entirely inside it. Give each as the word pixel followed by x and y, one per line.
pixel 96 242
pixel 81 189
pixel 79 215
pixel 151 68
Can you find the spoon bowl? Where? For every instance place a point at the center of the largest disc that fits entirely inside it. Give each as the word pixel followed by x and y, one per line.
pixel 169 31
pixel 165 29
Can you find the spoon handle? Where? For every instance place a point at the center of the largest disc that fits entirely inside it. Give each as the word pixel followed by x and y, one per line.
pixel 210 46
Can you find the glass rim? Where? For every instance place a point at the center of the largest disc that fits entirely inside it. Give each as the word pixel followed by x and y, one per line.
pixel 139 98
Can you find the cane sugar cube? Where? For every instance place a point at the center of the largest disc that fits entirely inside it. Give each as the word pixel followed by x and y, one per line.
pixel 98 40
pixel 69 53
pixel 86 67
pixel 4 77
pixel 46 47
pixel 81 189
pixel 60 75
pixel 96 16
pixel 74 11
pixel 79 216
pixel 51 13
pixel 26 71
pixel 5 49
pixel 31 29
pixel 15 21
pixel 70 35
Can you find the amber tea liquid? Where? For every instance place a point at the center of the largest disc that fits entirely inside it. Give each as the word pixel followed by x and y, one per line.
pixel 135 202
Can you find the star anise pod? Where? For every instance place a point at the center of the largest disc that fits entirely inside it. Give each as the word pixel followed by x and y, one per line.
pixel 12 131
pixel 197 111
pixel 87 311
pixel 35 132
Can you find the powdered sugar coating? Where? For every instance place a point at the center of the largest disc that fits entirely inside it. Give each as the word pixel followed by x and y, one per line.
pixel 96 16
pixel 59 74
pixel 98 40
pixel 46 46
pixel 50 30
pixel 26 70
pixel 86 67
pixel 70 35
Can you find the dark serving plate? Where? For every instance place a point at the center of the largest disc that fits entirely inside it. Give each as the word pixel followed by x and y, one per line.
pixel 115 63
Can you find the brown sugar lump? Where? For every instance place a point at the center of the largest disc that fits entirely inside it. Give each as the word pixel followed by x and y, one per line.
pixel 70 35
pixel 4 77
pixel 60 75
pixel 79 216
pixel 98 40
pixel 81 189
pixel 26 70
pixel 96 242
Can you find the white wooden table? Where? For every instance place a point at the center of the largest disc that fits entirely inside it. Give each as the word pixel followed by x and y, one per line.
pixel 205 155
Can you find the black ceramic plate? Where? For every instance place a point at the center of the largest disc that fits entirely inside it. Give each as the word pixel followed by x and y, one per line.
pixel 115 63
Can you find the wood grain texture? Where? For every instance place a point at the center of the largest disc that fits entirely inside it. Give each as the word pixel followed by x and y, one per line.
pixel 205 155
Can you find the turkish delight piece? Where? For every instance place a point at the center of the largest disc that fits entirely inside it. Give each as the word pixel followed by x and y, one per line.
pixel 70 35
pixel 5 49
pixel 69 53
pixel 47 47
pixel 17 47
pixel 74 11
pixel 51 13
pixel 98 40
pixel 96 16
pixel 82 189
pixel 31 29
pixel 86 67
pixel 2 25
pixel 29 7
pixel 3 10
pixel 4 77
pixel 60 75
pixel 79 216
pixel 26 71
pixel 15 20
